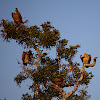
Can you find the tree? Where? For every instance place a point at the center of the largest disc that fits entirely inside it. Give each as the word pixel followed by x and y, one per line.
pixel 49 75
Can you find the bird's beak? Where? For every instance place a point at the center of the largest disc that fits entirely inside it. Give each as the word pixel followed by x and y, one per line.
pixel 82 56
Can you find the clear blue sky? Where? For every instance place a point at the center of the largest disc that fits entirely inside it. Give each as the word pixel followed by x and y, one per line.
pixel 77 20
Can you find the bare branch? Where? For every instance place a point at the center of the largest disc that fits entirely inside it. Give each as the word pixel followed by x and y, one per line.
pixel 39 58
pixel 91 65
pixel 40 55
pixel 75 86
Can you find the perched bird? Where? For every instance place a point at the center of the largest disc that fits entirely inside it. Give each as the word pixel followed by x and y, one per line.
pixel 17 17
pixel 26 57
pixel 58 81
pixel 85 58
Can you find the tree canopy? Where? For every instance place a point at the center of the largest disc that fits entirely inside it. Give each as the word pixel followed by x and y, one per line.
pixel 49 76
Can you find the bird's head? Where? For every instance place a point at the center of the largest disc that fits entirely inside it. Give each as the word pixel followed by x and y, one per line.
pixel 82 56
pixel 16 10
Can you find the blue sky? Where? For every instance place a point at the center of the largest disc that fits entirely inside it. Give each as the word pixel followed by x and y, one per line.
pixel 77 20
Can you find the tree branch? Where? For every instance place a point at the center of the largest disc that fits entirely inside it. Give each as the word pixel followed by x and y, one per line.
pixel 66 95
pixel 39 58
pixel 57 88
pixel 59 64
pixel 40 55
pixel 91 65
pixel 76 85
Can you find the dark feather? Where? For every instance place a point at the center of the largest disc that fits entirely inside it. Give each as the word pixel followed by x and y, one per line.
pixel 23 56
pixel 81 58
pixel 89 58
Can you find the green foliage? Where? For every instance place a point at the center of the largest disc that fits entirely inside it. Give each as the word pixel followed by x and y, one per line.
pixel 26 97
pixel 87 77
pixel 49 35
pixel 19 78
pixel 46 38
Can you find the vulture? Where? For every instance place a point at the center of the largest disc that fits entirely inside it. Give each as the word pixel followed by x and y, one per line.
pixel 17 17
pixel 58 81
pixel 85 58
pixel 26 57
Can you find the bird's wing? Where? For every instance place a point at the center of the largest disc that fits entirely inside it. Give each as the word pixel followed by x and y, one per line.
pixel 15 17
pixel 81 58
pixel 19 15
pixel 89 57
pixel 23 56
pixel 12 14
